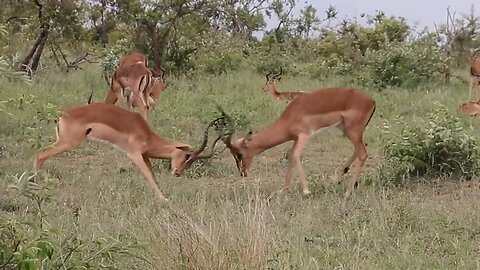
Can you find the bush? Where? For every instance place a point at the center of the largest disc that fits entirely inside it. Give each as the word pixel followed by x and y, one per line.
pixel 399 64
pixel 32 243
pixel 437 147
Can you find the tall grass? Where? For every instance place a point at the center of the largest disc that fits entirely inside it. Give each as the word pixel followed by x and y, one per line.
pixel 218 220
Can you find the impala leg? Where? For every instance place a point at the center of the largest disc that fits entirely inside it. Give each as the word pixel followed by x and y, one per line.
pixel 145 167
pixel 288 177
pixel 146 159
pixel 344 169
pixel 473 87
pixel 57 148
pixel 477 87
pixel 361 153
pixel 111 98
pixel 296 158
pixel 145 113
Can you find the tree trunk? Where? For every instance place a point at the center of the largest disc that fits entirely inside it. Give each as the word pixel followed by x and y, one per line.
pixel 38 53
pixel 30 54
pixel 31 60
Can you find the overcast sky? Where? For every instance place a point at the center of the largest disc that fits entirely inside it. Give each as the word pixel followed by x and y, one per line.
pixel 424 12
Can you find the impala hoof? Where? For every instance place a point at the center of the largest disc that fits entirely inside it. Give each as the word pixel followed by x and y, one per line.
pixel 306 193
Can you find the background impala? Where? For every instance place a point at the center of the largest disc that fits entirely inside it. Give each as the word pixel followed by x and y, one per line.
pixel 271 88
pixel 135 82
pixel 474 69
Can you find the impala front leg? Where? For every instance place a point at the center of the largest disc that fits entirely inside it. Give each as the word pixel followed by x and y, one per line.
pixel 145 167
pixel 296 157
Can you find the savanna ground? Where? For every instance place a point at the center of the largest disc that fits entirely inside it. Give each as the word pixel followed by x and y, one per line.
pixel 218 220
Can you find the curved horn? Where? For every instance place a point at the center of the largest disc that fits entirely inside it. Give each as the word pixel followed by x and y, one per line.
pixel 163 73
pixel 268 75
pixel 212 152
pixel 475 52
pixel 205 137
pixel 280 73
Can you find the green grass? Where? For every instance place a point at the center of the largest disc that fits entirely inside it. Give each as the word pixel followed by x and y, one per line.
pixel 218 220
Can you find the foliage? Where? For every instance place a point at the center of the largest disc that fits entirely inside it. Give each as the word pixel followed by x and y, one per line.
pixel 398 64
pixel 221 54
pixel 34 244
pixel 217 37
pixel 111 58
pixel 438 146
pixel 5 69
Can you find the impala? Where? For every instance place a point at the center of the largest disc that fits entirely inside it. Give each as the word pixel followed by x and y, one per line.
pixel 475 76
pixel 470 108
pixel 133 58
pixel 271 88
pixel 348 109
pixel 125 130
pixel 137 83
pixel 136 58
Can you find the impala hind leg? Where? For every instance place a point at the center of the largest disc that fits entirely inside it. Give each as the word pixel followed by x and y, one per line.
pixel 361 153
pixel 474 88
pixel 288 176
pixel 57 148
pixel 142 162
pixel 111 98
pixel 337 179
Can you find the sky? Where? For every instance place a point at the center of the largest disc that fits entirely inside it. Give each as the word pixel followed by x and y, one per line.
pixel 423 12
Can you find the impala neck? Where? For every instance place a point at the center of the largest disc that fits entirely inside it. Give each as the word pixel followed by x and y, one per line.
pixel 267 138
pixel 161 148
pixel 273 90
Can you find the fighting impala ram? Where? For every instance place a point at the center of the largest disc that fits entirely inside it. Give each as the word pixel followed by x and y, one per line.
pixel 348 109
pixel 125 130
pixel 271 88
pixel 475 75
pixel 136 83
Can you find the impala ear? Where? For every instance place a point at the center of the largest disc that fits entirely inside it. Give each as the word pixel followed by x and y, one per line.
pixel 249 136
pixel 150 100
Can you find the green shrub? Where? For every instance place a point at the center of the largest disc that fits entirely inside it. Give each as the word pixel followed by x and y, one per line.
pixel 437 147
pixel 399 64
pixel 33 244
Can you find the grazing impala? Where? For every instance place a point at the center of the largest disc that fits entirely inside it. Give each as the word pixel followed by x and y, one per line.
pixel 125 130
pixel 470 108
pixel 133 58
pixel 475 76
pixel 348 109
pixel 271 88
pixel 134 81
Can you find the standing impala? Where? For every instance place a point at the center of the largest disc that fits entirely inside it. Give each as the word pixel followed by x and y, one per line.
pixel 125 130
pixel 271 88
pixel 348 109
pixel 136 83
pixel 475 76
pixel 133 58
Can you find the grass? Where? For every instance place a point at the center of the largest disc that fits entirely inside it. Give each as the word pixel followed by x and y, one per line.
pixel 218 220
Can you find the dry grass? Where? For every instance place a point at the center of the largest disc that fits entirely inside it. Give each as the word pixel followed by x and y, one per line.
pixel 218 220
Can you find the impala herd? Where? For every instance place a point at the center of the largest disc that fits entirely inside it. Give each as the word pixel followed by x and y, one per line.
pixel 307 113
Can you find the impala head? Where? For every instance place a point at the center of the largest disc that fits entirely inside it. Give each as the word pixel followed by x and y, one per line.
pixel 474 56
pixel 240 150
pixel 184 155
pixel 158 86
pixel 271 80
